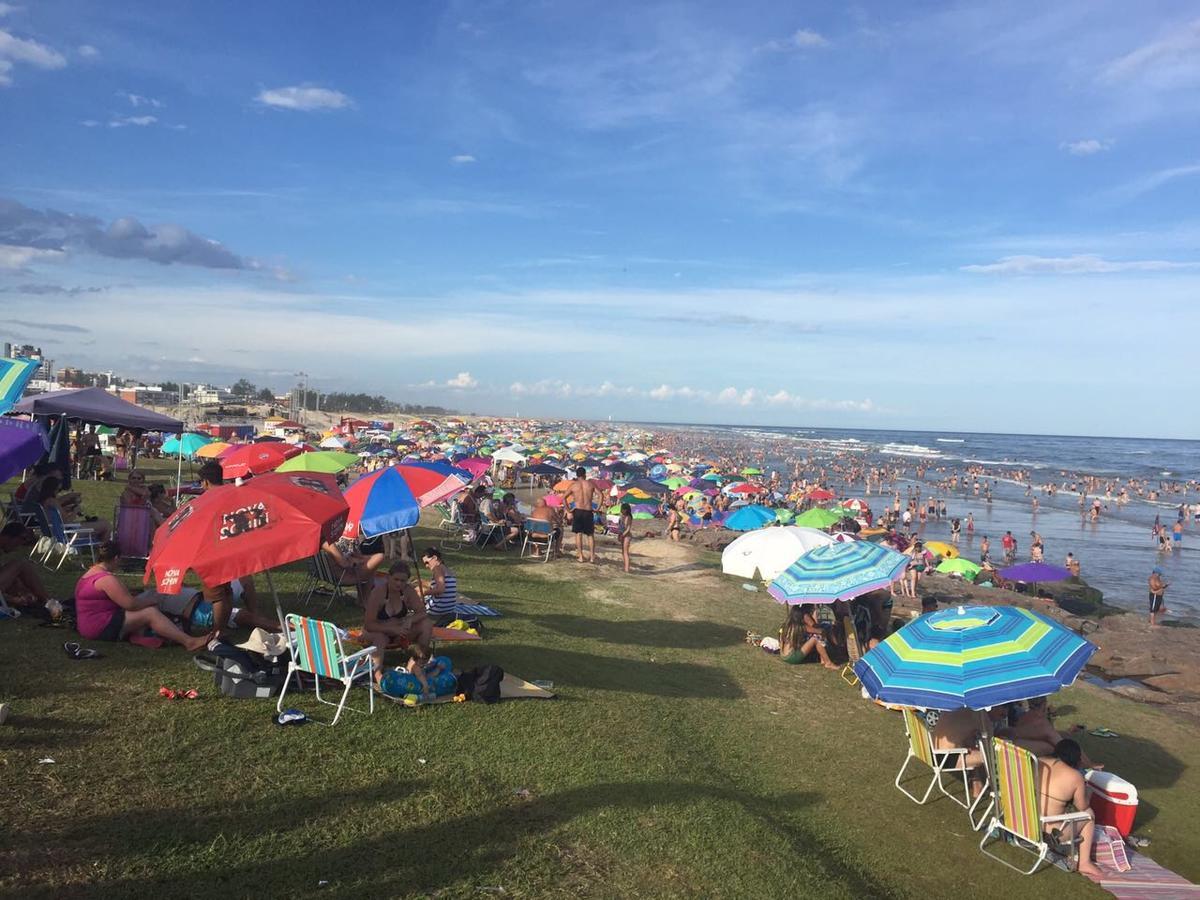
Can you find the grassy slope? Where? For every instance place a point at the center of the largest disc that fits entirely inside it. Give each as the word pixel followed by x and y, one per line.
pixel 677 761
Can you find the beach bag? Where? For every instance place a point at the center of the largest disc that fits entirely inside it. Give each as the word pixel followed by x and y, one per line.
pixel 481 683
pixel 244 675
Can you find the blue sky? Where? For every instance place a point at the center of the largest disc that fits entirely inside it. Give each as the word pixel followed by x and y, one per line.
pixel 933 215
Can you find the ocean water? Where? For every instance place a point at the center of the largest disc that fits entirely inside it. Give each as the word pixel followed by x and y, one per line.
pixel 1117 553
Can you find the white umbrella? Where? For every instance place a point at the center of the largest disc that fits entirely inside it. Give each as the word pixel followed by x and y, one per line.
pixel 508 454
pixel 332 443
pixel 769 551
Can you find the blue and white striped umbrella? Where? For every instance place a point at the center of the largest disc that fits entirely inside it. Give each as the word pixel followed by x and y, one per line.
pixel 838 572
pixel 975 657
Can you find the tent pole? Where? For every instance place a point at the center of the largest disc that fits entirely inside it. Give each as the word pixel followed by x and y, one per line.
pixel 179 471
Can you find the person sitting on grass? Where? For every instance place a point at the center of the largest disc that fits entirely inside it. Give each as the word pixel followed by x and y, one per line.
pixel 801 635
pixel 197 613
pixel 106 611
pixel 20 584
pixel 395 614
pixel 1036 734
pixel 441 599
pixel 1061 784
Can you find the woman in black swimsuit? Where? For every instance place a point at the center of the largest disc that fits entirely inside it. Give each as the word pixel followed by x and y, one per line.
pixel 395 616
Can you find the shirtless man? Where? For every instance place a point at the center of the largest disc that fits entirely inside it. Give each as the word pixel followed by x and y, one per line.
pixel 1035 733
pixel 583 520
pixel 1061 784
pixel 1158 588
pixel 960 728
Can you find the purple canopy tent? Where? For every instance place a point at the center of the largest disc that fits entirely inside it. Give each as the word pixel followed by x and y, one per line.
pixel 96 406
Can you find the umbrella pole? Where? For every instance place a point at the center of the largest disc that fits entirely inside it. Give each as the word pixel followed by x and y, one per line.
pixel 275 597
pixel 179 470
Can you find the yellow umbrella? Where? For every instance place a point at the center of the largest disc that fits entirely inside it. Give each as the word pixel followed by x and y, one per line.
pixel 212 450
pixel 942 549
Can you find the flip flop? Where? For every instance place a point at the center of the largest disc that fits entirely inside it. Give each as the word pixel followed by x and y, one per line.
pixel 290 717
pixel 1103 733
pixel 73 650
pixel 165 691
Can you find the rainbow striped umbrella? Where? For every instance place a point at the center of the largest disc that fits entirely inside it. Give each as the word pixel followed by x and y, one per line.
pixel 838 572
pixel 975 657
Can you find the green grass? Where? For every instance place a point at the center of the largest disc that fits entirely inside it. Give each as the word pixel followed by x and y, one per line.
pixel 677 761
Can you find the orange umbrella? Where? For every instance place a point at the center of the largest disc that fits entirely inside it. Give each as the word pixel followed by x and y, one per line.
pixel 212 450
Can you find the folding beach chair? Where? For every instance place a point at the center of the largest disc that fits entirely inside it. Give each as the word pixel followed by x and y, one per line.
pixel 455 531
pixel 69 541
pixel 539 534
pixel 853 651
pixel 1018 809
pixel 940 762
pixel 134 530
pixel 316 649
pixel 323 578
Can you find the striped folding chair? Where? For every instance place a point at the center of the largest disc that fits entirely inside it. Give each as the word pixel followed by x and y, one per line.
pixel 1018 812
pixel 323 578
pixel 316 649
pixel 940 762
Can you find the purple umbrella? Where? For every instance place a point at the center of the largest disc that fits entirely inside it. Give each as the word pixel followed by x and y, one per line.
pixel 1035 571
pixel 21 445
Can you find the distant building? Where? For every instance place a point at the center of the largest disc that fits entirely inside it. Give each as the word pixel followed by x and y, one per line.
pixel 205 395
pixel 45 369
pixel 144 395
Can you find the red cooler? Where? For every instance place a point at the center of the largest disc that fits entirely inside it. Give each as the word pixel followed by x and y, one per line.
pixel 1114 800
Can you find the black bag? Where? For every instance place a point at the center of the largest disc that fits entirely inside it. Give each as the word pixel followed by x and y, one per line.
pixel 481 683
pixel 242 674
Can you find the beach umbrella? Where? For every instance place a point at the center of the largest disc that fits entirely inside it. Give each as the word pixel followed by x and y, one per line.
pixel 769 551
pixel 839 571
pixel 212 450
pixel 675 482
pixel 647 486
pixel 328 461
pixel 242 529
pixel 942 549
pixel 14 375
pixel 333 443
pixel 1033 572
pixel 22 443
pixel 543 469
pixel 819 518
pixel 509 454
pixel 749 518
pixel 975 657
pixel 187 444
pixel 820 494
pixel 476 465
pixel 255 459
pixel 750 470
pixel 958 566
pixel 784 515
pixel 380 503
pixel 744 488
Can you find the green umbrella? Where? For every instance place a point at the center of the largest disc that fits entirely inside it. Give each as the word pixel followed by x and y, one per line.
pixel 712 476
pixel 675 482
pixel 785 516
pixel 750 470
pixel 818 518
pixel 106 429
pixel 958 566
pixel 328 461
pixel 643 515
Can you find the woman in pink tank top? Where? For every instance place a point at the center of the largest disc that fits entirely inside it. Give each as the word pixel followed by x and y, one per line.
pixel 106 611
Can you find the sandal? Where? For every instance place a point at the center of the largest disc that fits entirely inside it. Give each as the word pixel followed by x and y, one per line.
pixel 1103 733
pixel 73 650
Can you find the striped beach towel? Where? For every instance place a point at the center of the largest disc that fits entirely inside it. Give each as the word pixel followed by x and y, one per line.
pixel 1144 880
pixel 475 609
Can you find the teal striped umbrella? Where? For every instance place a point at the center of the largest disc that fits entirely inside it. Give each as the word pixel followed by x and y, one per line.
pixel 975 657
pixel 838 572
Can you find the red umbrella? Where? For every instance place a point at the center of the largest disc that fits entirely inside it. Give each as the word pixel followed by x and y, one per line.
pixel 241 529
pixel 820 494
pixel 255 459
pixel 746 488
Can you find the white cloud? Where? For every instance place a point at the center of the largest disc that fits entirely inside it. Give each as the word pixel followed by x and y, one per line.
pixel 1170 62
pixel 462 159
pixel 801 39
pixel 1155 180
pixel 1086 147
pixel 136 100
pixel 666 393
pixel 139 121
pixel 462 382
pixel 16 258
pixel 87 51
pixel 304 97
pixel 1081 264
pixel 15 50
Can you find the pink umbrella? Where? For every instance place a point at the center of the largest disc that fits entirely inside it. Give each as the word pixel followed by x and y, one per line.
pixel 476 465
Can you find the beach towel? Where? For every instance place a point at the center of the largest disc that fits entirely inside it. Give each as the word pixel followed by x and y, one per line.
pixel 474 609
pixel 511 688
pixel 1144 880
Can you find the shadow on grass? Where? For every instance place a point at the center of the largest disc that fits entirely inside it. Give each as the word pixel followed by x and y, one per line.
pixel 447 855
pixel 607 673
pixel 647 632
pixel 1141 762
pixel 44 732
